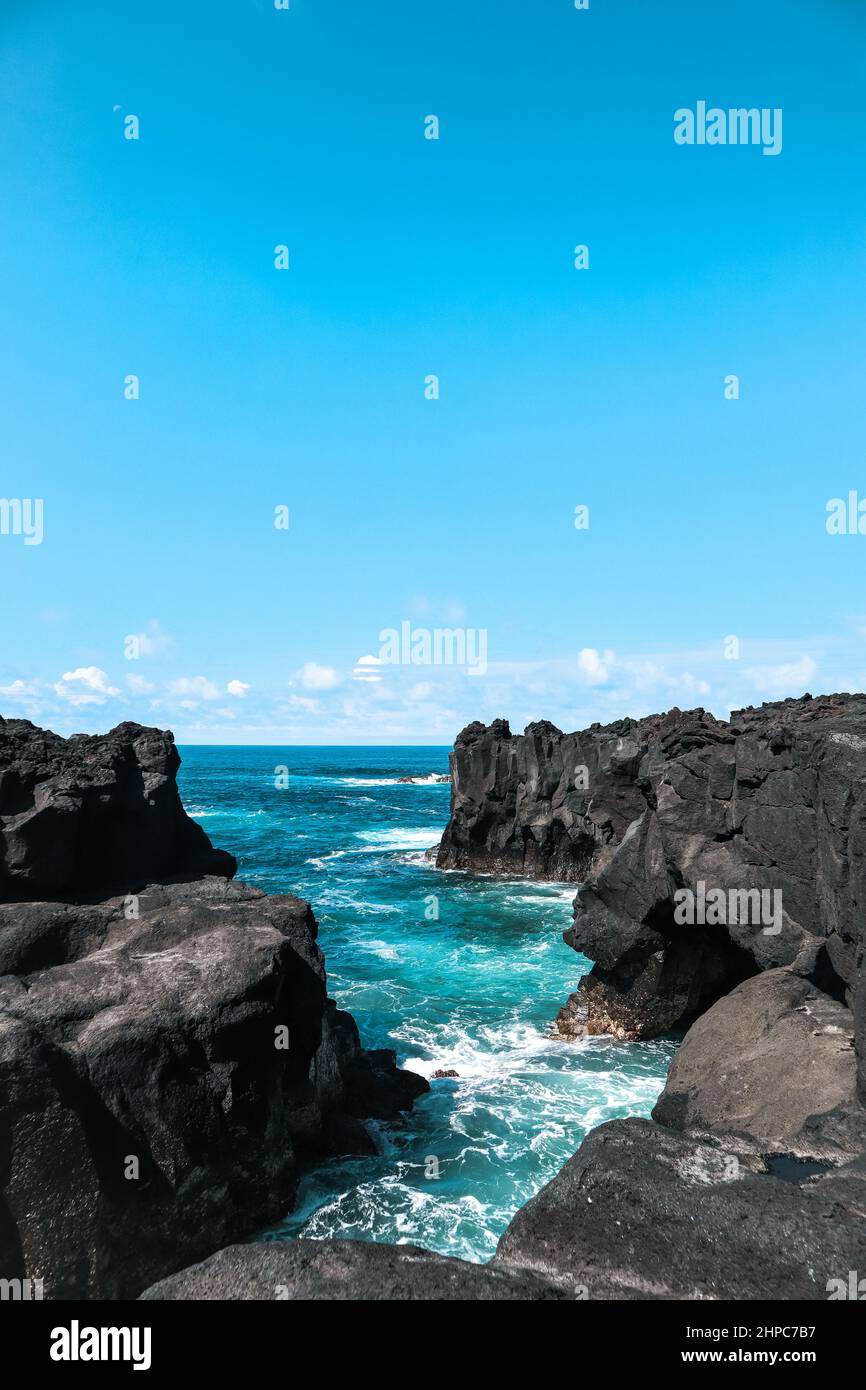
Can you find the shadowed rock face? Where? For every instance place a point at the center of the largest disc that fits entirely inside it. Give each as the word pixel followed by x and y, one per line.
pixel 773 801
pixel 87 816
pixel 521 804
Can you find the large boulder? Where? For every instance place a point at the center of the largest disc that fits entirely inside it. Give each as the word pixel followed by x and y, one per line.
pixel 84 817
pixel 169 1057
pixel 641 1212
pixel 167 1064
pixel 773 1061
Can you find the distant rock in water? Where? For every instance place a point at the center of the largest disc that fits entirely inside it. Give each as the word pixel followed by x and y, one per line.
pixel 169 1058
pixel 431 779
pixel 443 1074
pixel 91 815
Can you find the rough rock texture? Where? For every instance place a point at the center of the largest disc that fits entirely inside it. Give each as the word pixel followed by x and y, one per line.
pixel 157 1039
pixel 84 817
pixel 773 1061
pixel 523 804
pixel 774 800
pixel 643 1212
pixel 348 1270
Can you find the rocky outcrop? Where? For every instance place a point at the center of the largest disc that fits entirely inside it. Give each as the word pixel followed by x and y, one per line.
pixel 749 1183
pixel 543 804
pixel 169 1058
pixel 355 1271
pixel 84 817
pixel 645 812
pixel 642 1212
pixel 772 1062
pixel 164 1077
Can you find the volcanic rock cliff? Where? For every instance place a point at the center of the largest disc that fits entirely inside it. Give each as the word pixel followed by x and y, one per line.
pixel 168 1057
pixel 773 801
pixel 84 817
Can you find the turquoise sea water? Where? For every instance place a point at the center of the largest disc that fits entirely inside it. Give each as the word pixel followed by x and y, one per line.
pixel 474 991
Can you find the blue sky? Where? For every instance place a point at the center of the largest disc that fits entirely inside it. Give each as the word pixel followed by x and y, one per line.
pixel 410 257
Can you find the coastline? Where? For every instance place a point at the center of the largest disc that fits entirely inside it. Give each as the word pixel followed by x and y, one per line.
pixel 711 1174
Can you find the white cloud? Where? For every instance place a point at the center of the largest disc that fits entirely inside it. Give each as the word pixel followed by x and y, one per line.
pixel 314 677
pixel 196 687
pixel 693 685
pixel 593 666
pixel 18 690
pixel 303 702
pixel 791 678
pixel 138 685
pixel 86 685
pixel 402 703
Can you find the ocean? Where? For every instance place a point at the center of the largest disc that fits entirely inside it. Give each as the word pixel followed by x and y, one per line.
pixel 455 972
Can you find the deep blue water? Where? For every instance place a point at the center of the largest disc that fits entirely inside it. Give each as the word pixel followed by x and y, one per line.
pixel 474 990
